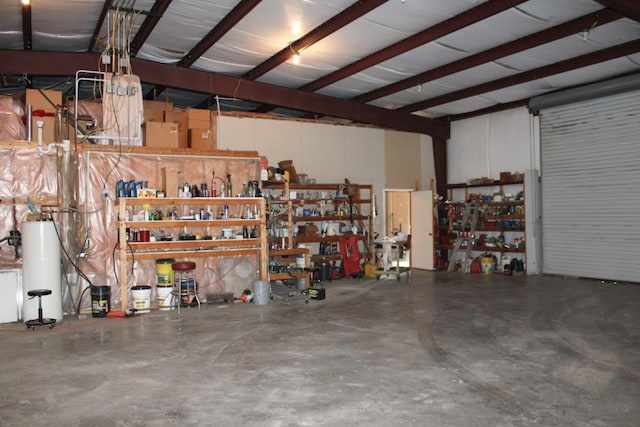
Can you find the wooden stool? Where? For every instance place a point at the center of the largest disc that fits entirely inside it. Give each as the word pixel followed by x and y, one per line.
pixel 40 321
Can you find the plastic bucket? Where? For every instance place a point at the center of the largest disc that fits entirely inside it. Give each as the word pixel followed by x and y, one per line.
pixel 165 296
pixel 486 265
pixel 301 261
pixel 164 271
pixel 261 292
pixel 141 298
pixel 100 300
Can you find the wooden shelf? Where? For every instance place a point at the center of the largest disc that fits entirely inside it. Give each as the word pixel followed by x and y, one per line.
pixel 484 249
pixel 489 217
pixel 493 183
pixel 311 239
pixel 362 197
pixel 190 248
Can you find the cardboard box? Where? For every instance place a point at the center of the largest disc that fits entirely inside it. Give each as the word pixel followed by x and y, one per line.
pixel 169 182
pixel 39 100
pixel 181 119
pixel 161 135
pixel 198 119
pixel 43 102
pixel 151 115
pixel 157 105
pixel 308 230
pixel 201 139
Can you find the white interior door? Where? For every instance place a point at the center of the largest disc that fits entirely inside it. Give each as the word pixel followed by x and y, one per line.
pixel 422 230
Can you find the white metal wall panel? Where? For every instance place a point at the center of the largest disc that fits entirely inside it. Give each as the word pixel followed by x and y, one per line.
pixel 590 164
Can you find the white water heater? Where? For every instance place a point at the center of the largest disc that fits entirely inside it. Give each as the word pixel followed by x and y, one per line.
pixel 41 269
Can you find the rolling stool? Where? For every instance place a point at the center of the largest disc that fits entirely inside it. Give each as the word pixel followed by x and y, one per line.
pixel 40 321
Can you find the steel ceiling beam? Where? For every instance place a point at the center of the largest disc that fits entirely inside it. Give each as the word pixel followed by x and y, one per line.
pixel 227 23
pixel 232 18
pixel 441 29
pixel 488 110
pixel 27 36
pixel 629 8
pixel 67 63
pixel 566 29
pixel 603 55
pixel 93 45
pixel 241 10
pixel 347 16
pixel 150 22
pixel 468 17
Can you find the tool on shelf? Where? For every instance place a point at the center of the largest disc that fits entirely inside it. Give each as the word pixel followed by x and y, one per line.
pixel 466 232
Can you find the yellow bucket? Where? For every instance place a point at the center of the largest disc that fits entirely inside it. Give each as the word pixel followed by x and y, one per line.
pixel 486 265
pixel 164 271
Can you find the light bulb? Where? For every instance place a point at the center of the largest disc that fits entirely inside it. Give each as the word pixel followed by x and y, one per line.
pixel 295 57
pixel 584 34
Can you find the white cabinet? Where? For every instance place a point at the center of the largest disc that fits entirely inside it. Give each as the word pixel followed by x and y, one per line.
pixel 10 296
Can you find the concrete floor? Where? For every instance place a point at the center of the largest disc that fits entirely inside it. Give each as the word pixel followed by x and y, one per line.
pixel 444 349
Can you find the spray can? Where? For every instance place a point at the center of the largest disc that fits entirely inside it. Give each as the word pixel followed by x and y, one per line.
pixel 133 189
pixel 120 189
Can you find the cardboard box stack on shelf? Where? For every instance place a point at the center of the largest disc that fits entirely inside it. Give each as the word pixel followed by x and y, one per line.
pixel 170 127
pixel 164 126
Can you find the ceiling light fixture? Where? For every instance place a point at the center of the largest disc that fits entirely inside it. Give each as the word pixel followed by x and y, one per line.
pixel 295 54
pixel 419 87
pixel 584 33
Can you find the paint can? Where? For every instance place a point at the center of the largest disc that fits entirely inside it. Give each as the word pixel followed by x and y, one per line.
pixel 164 293
pixel 100 300
pixel 141 298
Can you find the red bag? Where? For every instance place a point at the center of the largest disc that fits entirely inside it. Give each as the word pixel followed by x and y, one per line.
pixel 475 266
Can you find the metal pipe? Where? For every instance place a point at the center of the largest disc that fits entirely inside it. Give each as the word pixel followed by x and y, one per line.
pixel 29 123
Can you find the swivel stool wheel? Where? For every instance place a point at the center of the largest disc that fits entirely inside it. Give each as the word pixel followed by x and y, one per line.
pixel 40 321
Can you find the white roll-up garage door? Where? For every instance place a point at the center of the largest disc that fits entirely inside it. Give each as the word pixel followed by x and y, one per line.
pixel 590 168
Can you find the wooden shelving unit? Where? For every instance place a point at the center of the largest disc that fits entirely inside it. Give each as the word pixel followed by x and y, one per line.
pixel 215 246
pixel 496 219
pixel 321 203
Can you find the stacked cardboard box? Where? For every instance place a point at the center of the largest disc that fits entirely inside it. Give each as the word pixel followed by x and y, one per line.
pixel 193 127
pixel 201 136
pixel 161 135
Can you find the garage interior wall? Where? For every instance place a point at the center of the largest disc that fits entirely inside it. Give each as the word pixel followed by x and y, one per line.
pixel 332 152
pixel 590 194
pixel 484 146
pixel 402 165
